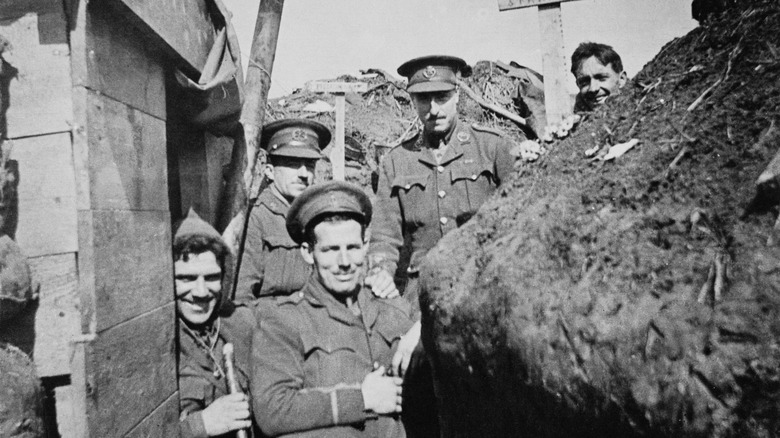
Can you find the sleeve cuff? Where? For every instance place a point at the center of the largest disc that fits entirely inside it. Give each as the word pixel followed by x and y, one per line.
pixel 192 426
pixel 347 406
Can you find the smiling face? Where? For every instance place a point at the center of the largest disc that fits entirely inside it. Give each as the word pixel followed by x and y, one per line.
pixel 291 175
pixel 338 255
pixel 198 286
pixel 437 110
pixel 597 81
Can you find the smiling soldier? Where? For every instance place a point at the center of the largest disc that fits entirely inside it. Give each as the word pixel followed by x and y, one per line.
pixel 207 321
pixel 599 73
pixel 320 355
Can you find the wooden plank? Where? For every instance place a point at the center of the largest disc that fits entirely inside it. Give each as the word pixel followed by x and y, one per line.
pixel 131 370
pixel 504 5
pixel 126 156
pixel 37 74
pixel 64 403
pixel 12 9
pixel 125 262
pixel 58 317
pixel 337 153
pixel 336 87
pixel 114 58
pixel 47 194
pixel 183 26
pixel 557 101
pixel 163 422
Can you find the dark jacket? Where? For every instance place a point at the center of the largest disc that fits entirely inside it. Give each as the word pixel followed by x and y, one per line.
pixel 272 264
pixel 422 199
pixel 310 356
pixel 198 384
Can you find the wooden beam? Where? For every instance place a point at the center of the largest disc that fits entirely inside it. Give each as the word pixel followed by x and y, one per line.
pixel 184 27
pixel 36 74
pixel 131 369
pixel 47 194
pixel 505 5
pixel 557 102
pixel 125 265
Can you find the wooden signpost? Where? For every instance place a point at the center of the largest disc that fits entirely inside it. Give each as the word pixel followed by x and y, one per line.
pixel 557 102
pixel 339 89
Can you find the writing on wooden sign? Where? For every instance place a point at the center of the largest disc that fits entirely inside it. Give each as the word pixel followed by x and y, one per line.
pixel 504 5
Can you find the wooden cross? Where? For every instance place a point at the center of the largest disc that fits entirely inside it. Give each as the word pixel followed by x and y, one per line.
pixel 338 89
pixel 557 102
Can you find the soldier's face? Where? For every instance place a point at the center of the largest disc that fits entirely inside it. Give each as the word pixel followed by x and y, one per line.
pixel 597 81
pixel 437 110
pixel 338 256
pixel 198 286
pixel 290 175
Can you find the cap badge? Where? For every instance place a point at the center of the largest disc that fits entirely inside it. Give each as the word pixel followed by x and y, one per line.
pixel 299 135
pixel 463 135
pixel 429 72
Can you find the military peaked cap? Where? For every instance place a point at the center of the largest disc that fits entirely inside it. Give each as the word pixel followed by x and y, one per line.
pixel 297 138
pixel 332 197
pixel 433 73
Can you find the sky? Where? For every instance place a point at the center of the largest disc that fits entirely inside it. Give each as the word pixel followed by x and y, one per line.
pixel 323 39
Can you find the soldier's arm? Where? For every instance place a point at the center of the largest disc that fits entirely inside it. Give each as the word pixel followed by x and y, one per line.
pixel 281 403
pixel 251 271
pixel 386 230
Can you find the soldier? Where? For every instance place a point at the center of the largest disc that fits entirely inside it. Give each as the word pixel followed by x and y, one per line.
pixel 320 355
pixel 272 263
pixel 599 72
pixel 435 181
pixel 207 321
pixel 428 186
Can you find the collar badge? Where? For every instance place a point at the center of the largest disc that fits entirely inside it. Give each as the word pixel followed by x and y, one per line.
pixel 463 136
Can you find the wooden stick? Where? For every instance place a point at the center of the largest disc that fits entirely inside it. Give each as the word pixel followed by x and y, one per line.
pixel 495 108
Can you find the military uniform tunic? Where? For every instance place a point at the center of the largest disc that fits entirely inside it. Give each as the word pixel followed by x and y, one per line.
pixel 201 375
pixel 272 264
pixel 310 356
pixel 423 197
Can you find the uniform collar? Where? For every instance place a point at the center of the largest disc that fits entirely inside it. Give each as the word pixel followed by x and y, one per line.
pixel 459 139
pixel 273 201
pixel 315 293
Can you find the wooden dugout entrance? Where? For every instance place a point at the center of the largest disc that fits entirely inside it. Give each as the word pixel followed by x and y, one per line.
pixel 107 164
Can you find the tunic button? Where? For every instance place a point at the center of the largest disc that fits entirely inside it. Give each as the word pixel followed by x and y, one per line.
pixel 440 169
pixel 473 177
pixel 443 221
pixel 442 193
pixel 408 186
pixel 300 294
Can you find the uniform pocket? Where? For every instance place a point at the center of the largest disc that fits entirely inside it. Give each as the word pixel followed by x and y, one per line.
pixel 411 192
pixel 329 362
pixel 478 182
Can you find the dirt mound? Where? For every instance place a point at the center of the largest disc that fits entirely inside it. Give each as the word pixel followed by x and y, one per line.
pixel 633 297
pixel 20 395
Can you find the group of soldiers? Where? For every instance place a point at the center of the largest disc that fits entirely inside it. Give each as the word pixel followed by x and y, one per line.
pixel 325 344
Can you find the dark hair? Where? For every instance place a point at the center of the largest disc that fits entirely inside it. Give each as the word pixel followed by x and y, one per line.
pixel 311 238
pixel 604 53
pixel 183 246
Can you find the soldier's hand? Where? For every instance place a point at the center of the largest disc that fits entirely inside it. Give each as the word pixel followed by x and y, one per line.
pixel 381 283
pixel 226 414
pixel 382 394
pixel 406 346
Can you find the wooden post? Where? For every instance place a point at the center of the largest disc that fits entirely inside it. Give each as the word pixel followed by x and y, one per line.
pixel 339 89
pixel 557 103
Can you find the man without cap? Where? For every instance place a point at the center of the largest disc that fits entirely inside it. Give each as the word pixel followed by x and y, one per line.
pixel 271 264
pixel 320 355
pixel 208 321
pixel 599 73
